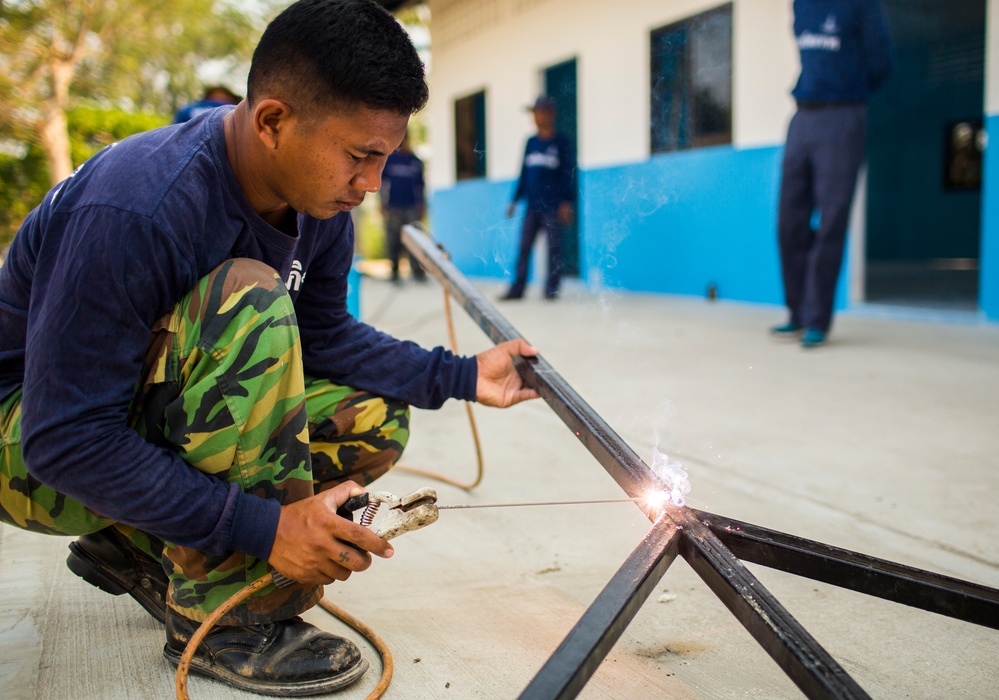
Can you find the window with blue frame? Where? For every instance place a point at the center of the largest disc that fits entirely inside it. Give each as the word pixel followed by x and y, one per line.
pixel 692 82
pixel 470 136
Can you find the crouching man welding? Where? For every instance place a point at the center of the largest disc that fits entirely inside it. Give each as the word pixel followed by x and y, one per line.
pixel 181 385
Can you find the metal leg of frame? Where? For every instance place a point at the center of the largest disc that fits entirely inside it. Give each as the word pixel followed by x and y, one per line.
pixel 580 653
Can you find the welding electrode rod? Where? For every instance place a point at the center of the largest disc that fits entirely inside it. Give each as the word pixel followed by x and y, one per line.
pixel 542 503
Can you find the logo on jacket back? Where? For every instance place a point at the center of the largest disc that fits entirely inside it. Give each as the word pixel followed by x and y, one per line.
pixel 402 170
pixel 548 159
pixel 295 277
pixel 826 41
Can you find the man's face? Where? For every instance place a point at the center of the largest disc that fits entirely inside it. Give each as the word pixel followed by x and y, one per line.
pixel 327 164
pixel 544 118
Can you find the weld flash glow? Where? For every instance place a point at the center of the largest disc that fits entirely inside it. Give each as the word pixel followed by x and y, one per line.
pixel 657 499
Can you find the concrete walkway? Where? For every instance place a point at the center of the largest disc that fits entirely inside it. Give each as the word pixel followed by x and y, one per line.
pixel 883 442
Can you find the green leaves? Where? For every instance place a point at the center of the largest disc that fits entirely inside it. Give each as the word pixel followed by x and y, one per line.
pixel 115 67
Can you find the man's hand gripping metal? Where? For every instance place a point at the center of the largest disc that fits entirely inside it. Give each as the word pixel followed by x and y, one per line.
pixel 400 514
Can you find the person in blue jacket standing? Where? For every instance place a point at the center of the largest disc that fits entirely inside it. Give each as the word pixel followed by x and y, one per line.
pixel 403 201
pixel 845 50
pixel 547 183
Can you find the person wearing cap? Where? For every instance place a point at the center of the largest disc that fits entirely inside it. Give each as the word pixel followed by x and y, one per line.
pixel 547 184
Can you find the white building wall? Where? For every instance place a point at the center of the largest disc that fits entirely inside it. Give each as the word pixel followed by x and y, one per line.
pixel 992 57
pixel 503 46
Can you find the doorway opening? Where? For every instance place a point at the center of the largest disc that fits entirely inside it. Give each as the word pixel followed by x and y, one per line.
pixel 924 159
pixel 560 85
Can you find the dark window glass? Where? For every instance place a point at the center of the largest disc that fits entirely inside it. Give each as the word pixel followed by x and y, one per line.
pixel 964 143
pixel 470 136
pixel 692 82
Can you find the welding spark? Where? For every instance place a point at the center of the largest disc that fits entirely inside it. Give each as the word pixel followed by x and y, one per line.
pixel 657 499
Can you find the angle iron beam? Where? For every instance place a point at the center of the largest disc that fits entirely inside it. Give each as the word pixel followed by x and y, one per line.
pixel 797 652
pixel 579 655
pixel 799 655
pixel 435 260
pixel 626 467
pixel 917 588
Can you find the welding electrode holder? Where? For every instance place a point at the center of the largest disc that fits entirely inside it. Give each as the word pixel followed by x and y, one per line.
pixel 406 513
pixel 351 504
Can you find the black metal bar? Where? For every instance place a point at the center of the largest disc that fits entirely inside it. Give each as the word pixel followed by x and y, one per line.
pixel 921 589
pixel 626 467
pixel 591 639
pixel 434 260
pixel 936 593
pixel 798 654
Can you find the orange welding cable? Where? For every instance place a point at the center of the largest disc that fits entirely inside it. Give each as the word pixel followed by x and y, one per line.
pixel 471 422
pixel 185 660
pixel 183 668
pixel 388 665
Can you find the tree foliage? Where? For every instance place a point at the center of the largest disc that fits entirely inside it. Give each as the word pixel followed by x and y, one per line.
pixel 141 56
pixel 24 174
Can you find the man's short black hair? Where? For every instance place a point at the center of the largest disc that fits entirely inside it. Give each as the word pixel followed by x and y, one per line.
pixel 335 55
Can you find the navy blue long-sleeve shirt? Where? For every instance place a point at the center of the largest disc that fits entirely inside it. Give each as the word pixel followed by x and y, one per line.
pixel 107 253
pixel 546 174
pixel 403 178
pixel 845 49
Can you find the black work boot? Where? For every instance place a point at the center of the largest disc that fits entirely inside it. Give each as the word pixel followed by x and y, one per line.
pixel 108 560
pixel 287 658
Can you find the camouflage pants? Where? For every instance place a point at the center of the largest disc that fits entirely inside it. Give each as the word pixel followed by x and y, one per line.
pixel 224 387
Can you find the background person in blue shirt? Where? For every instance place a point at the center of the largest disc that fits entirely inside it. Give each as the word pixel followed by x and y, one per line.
pixel 403 202
pixel 215 96
pixel 845 50
pixel 547 183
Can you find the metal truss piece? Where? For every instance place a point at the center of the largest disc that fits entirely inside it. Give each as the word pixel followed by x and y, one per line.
pixel 715 547
pixel 936 593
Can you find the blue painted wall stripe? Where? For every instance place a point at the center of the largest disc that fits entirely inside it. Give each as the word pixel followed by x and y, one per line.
pixel 673 224
pixel 988 290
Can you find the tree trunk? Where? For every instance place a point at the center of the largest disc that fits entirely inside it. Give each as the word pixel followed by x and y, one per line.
pixel 53 133
pixel 54 137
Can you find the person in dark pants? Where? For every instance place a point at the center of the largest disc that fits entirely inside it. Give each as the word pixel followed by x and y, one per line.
pixel 547 183
pixel 845 51
pixel 403 202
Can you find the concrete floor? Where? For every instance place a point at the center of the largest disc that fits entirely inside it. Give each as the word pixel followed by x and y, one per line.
pixel 883 442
